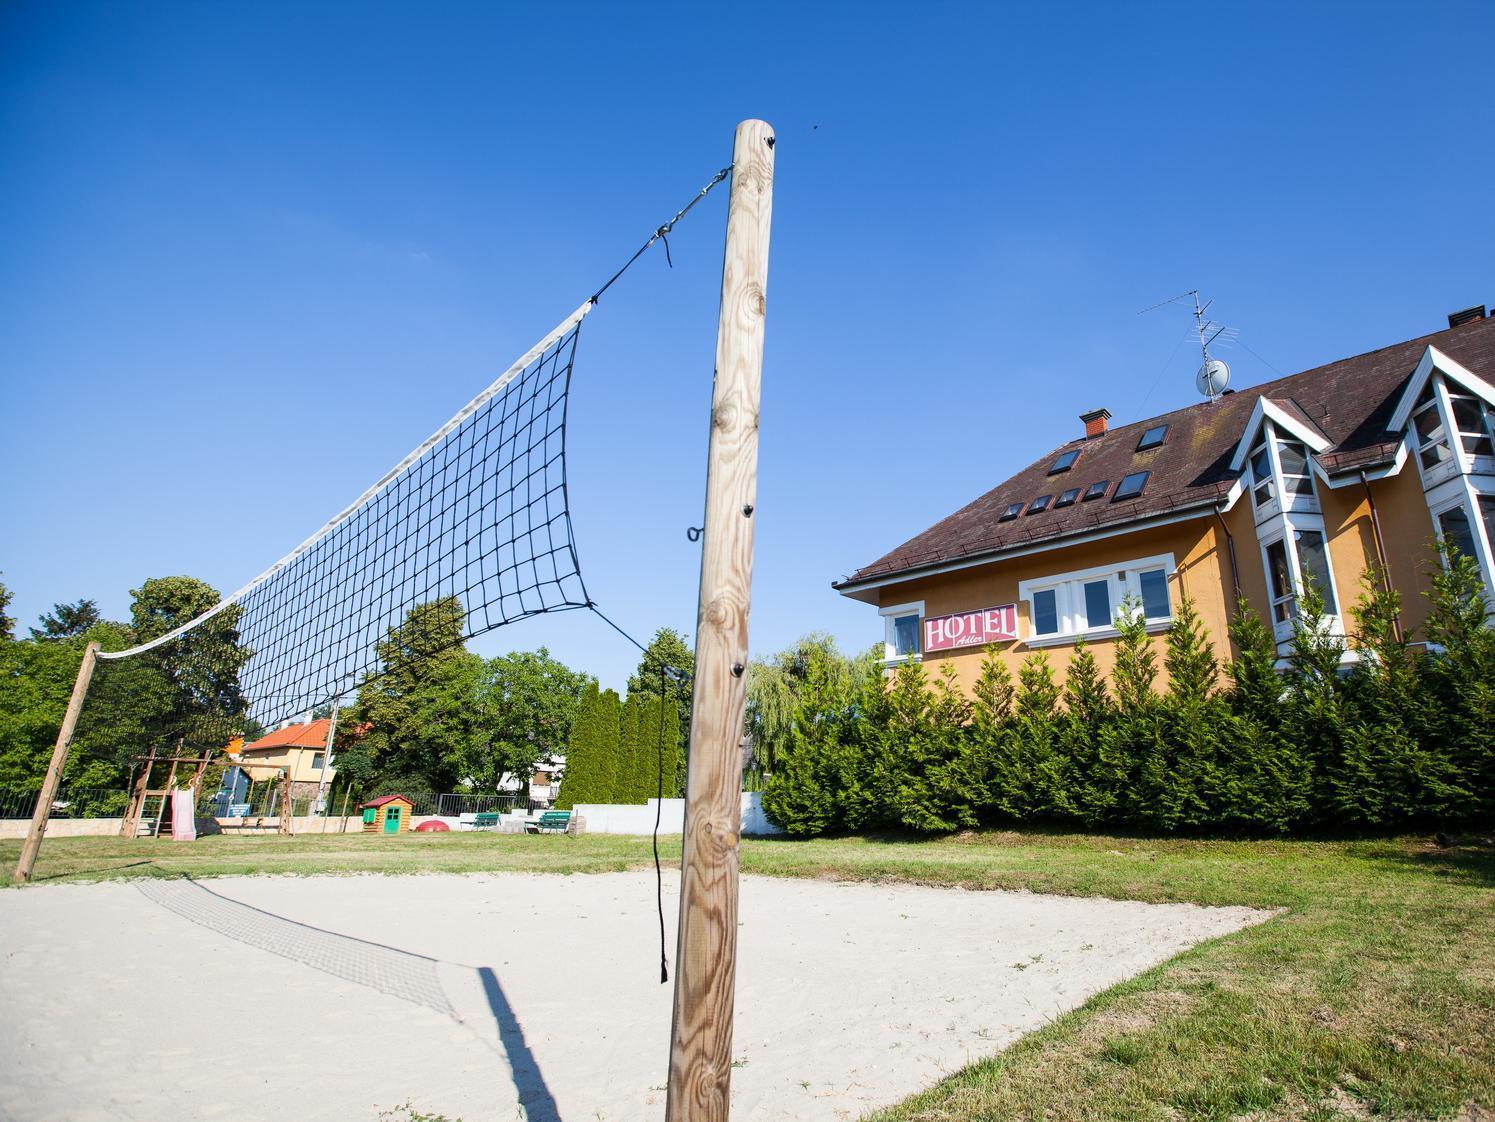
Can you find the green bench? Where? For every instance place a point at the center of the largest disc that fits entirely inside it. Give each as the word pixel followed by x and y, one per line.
pixel 485 821
pixel 551 822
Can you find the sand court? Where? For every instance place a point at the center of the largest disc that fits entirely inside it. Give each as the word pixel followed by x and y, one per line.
pixel 525 996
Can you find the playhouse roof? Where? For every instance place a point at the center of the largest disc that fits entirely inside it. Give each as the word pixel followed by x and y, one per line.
pixel 382 799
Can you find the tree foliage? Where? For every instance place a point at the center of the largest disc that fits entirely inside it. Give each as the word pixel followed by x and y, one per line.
pixel 1393 736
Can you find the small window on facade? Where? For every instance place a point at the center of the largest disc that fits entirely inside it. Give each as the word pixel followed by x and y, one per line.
pixel 1039 505
pixel 1130 486
pixel 1046 612
pixel 1152 438
pixel 316 761
pixel 1097 603
pixel 905 636
pixel 1454 529
pixel 1432 437
pixel 1012 511
pixel 1067 498
pixel 1096 490
pixel 1064 462
pixel 1263 489
pixel 1313 562
pixel 1154 588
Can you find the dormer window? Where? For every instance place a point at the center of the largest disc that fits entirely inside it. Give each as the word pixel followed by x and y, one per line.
pixel 1012 511
pixel 1040 504
pixel 1473 420
pixel 1280 469
pixel 1432 434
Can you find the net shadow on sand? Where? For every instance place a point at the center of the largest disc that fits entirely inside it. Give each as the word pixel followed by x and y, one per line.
pixel 389 970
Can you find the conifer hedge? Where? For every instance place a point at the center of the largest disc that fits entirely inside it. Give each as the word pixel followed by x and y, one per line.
pixel 1400 736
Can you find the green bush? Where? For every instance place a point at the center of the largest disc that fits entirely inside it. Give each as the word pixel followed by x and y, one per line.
pixel 1395 735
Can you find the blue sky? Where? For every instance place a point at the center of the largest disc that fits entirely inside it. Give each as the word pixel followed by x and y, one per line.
pixel 254 253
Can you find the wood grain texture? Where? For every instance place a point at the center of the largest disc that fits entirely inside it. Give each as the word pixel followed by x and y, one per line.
pixel 53 779
pixel 706 956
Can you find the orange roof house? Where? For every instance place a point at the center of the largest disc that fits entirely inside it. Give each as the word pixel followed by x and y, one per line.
pixel 299 747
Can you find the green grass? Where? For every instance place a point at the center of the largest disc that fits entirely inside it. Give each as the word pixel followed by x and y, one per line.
pixel 1371 994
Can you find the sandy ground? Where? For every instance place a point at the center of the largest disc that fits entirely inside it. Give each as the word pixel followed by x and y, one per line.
pixel 515 996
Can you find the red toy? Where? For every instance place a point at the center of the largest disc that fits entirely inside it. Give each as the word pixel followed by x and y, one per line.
pixel 435 826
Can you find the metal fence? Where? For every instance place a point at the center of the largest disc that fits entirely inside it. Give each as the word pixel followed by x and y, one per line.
pixel 454 805
pixel 71 802
pixel 261 800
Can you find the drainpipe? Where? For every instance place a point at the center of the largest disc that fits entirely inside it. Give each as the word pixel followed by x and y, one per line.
pixel 1235 575
pixel 1381 558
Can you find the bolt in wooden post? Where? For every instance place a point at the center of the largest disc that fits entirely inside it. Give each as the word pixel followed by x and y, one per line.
pixel 706 956
pixel 54 769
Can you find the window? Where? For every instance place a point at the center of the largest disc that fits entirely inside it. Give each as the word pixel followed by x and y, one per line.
pixel 1263 486
pixel 1067 498
pixel 1098 601
pixel 1087 602
pixel 1154 589
pixel 1064 462
pixel 1096 490
pixel 1130 486
pixel 1040 504
pixel 317 760
pixel 1012 511
pixel 1313 562
pixel 1297 559
pixel 1297 476
pixel 1283 602
pixel 1454 529
pixel 1152 438
pixel 1432 437
pixel 1471 417
pixel 1046 612
pixel 901 631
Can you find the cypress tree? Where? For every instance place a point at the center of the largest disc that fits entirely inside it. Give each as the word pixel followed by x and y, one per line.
pixel 581 781
pixel 1460 682
pixel 1089 789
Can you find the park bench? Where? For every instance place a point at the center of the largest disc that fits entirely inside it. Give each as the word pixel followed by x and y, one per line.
pixel 551 822
pixel 487 820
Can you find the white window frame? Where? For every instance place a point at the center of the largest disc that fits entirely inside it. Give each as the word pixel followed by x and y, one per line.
pixel 1468 498
pixel 892 612
pixel 1123 579
pixel 1285 530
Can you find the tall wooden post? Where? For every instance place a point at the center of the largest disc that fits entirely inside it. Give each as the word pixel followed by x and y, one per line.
pixel 54 769
pixel 706 956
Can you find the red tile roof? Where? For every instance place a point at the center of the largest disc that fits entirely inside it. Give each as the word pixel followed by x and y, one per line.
pixel 382 799
pixel 1349 402
pixel 313 734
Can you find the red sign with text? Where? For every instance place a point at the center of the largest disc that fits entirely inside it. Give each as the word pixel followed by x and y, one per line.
pixel 971 629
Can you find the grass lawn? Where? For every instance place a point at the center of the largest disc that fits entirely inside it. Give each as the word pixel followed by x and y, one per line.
pixel 1371 995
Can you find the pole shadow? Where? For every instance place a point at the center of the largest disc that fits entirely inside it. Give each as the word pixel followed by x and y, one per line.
pixel 399 973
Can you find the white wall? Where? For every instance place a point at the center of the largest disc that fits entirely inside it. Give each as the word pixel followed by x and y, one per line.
pixel 606 818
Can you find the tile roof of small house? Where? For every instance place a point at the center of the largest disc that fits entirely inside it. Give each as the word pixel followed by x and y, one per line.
pixel 1349 402
pixel 310 734
pixel 382 799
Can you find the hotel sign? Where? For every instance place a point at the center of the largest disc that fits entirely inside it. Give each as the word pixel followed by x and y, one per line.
pixel 971 629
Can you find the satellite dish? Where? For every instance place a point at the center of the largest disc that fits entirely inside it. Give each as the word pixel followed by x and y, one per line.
pixel 1212 378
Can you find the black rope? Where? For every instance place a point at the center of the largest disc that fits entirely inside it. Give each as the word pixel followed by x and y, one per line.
pixel 664 231
pixel 664 965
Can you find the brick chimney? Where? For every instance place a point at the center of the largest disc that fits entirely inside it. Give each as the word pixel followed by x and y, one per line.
pixel 1097 422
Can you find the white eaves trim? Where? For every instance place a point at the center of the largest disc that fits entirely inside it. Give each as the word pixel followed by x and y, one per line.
pixel 1267 411
pixel 1434 359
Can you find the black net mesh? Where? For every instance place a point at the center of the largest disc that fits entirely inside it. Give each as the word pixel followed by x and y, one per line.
pixel 471 532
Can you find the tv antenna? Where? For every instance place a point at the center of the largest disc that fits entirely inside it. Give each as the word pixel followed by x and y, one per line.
pixel 1214 374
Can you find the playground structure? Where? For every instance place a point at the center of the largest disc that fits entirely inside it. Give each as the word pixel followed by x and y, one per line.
pixel 140 821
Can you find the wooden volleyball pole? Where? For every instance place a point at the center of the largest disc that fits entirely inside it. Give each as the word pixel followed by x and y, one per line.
pixel 706 955
pixel 53 778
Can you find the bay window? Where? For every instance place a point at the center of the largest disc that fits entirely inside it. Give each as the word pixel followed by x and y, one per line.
pixel 1295 559
pixel 1066 606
